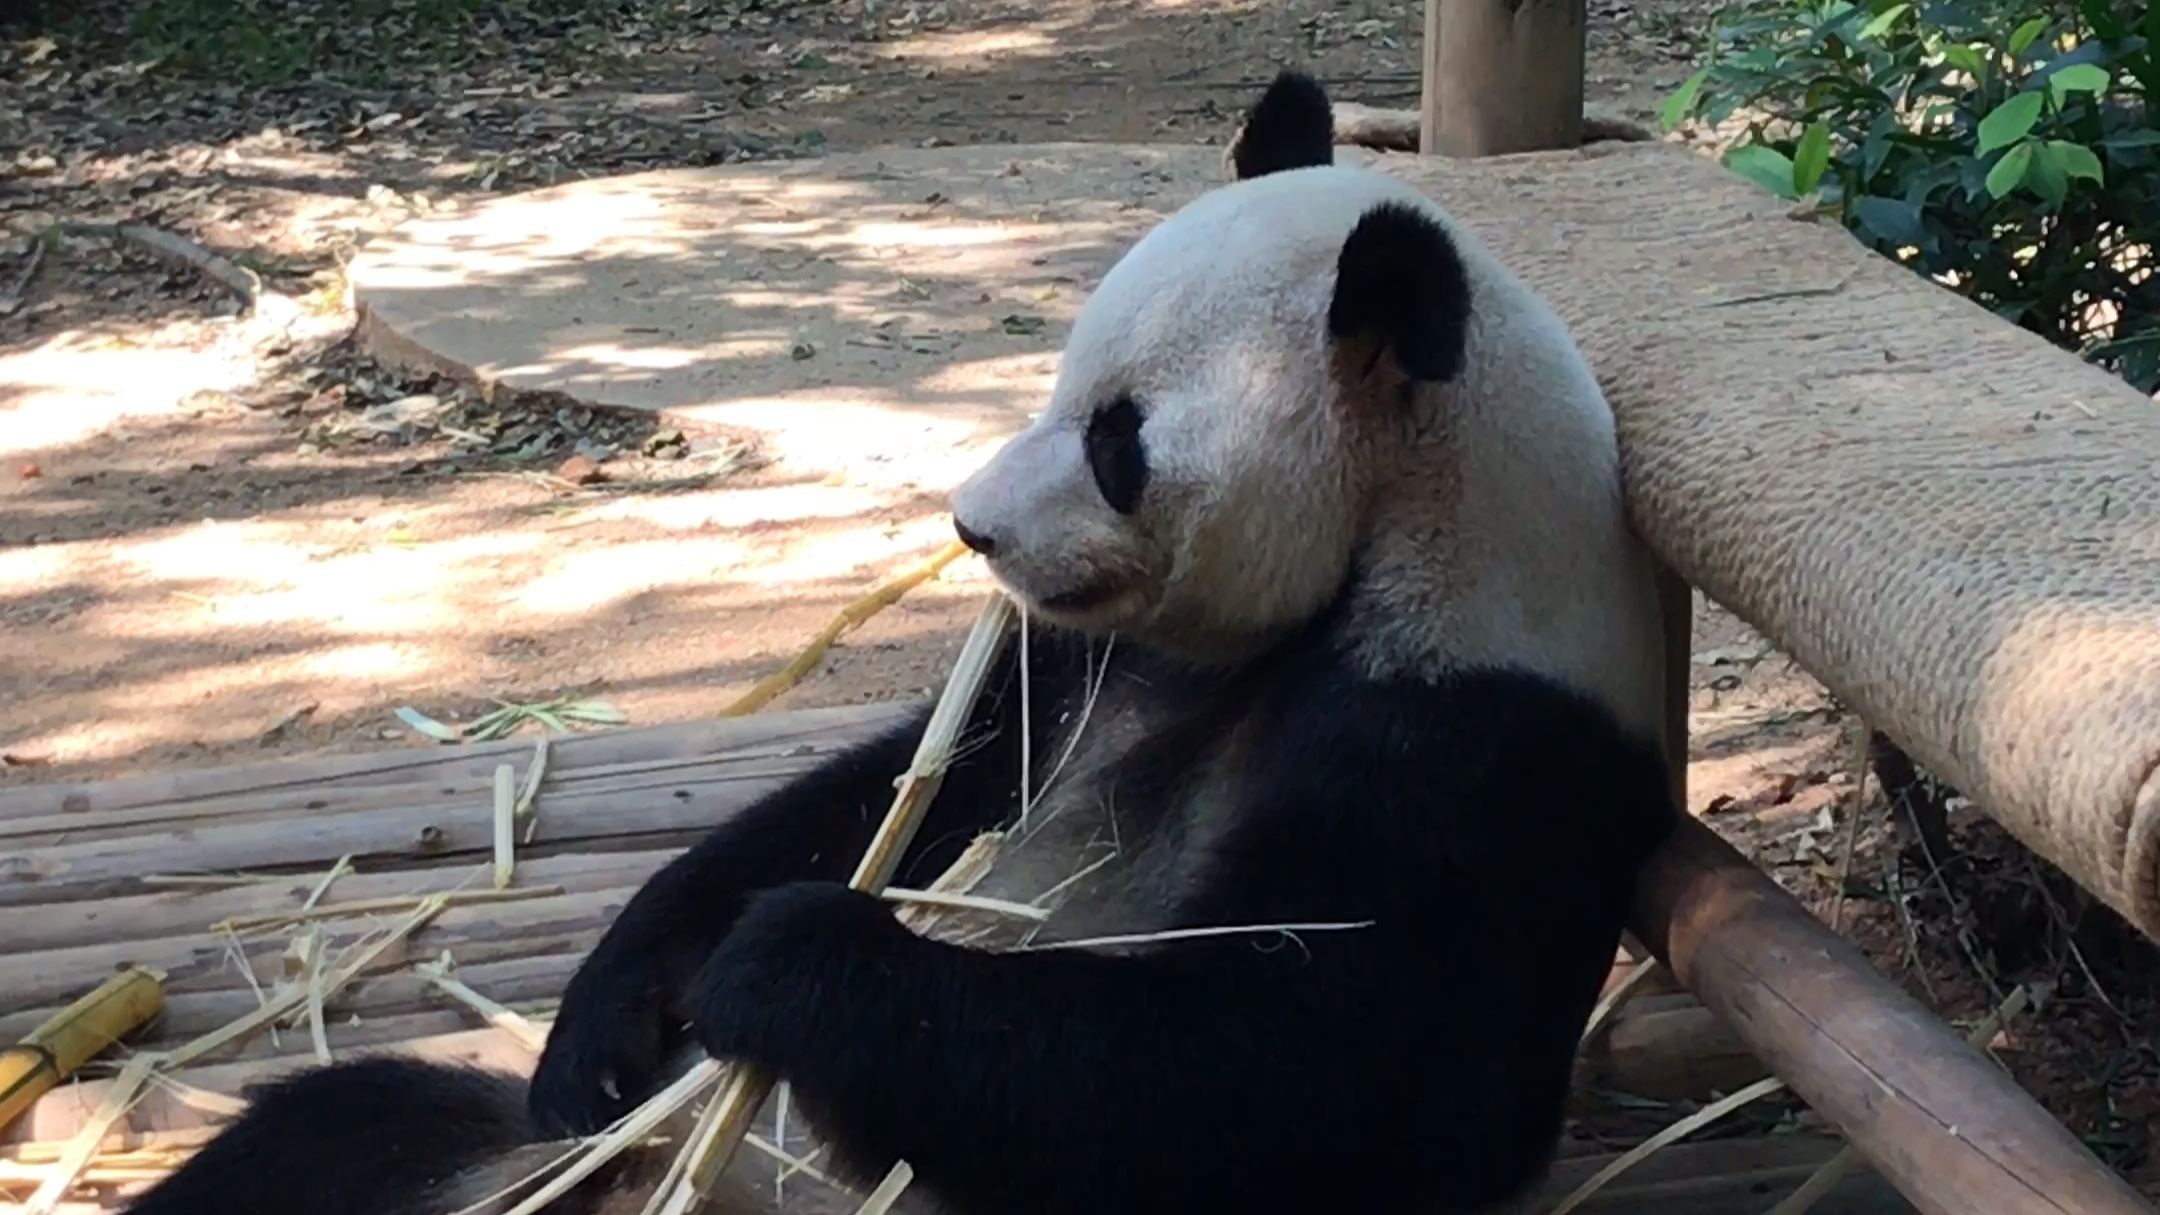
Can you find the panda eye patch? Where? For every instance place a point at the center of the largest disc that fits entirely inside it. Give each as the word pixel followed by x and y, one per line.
pixel 1115 455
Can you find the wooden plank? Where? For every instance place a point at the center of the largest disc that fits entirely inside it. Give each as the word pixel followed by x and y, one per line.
pixel 521 981
pixel 645 810
pixel 141 917
pixel 1940 1119
pixel 569 923
pixel 471 761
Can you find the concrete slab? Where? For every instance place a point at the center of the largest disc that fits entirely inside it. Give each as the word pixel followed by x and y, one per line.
pixel 888 314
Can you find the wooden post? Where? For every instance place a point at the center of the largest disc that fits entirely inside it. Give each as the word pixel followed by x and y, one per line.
pixel 1502 76
pixel 1940 1120
pixel 1428 143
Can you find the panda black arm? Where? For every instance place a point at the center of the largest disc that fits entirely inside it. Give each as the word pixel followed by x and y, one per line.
pixel 621 1015
pixel 1490 829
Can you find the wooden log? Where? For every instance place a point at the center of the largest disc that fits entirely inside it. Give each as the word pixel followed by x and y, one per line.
pixel 307 777
pixel 518 981
pixel 1502 76
pixel 646 811
pixel 148 916
pixel 1938 1118
pixel 475 933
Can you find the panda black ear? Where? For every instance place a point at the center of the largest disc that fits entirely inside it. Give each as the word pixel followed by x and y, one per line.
pixel 1400 283
pixel 1291 126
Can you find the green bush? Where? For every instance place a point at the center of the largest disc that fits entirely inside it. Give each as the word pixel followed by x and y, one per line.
pixel 2009 149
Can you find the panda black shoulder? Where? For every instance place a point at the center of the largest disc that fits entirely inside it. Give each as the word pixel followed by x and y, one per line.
pixel 1502 773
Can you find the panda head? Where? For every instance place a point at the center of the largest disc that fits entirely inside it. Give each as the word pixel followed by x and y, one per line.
pixel 1228 399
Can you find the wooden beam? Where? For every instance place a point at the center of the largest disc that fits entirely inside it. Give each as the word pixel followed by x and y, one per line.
pixel 1941 1120
pixel 1502 76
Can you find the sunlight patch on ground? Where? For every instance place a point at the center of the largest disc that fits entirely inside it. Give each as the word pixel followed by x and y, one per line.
pixel 747 507
pixel 80 383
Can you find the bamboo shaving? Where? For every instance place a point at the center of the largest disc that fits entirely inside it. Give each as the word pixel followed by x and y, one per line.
pixel 1612 1000
pixel 587 1157
pixel 311 979
pixel 721 1126
pixel 889 1190
pixel 119 1099
pixel 505 825
pixel 531 792
pixel 450 898
pixel 524 1032
pixel 965 902
pixel 344 866
pixel 284 1002
pixel 793 1163
pixel 850 617
pixel 1187 934
pixel 120 1145
pixel 198 1098
pixel 1678 1130
pixel 1833 1170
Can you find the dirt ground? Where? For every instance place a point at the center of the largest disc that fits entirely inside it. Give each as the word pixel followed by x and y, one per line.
pixel 217 550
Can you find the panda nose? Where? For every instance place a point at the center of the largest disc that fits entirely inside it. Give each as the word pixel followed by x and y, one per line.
pixel 974 539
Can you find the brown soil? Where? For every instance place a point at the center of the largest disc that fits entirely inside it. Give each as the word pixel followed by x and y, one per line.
pixel 206 557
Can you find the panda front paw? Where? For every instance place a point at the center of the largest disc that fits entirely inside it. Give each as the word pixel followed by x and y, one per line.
pixel 610 1041
pixel 802 961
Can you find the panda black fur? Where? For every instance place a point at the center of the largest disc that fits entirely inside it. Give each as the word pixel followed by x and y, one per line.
pixel 1335 620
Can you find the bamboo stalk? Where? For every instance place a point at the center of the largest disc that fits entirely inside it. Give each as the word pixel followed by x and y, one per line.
pixel 1833 1170
pixel 506 799
pixel 723 1123
pixel 74 1035
pixel 850 617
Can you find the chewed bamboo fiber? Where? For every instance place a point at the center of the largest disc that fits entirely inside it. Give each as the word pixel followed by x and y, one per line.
pixel 73 1036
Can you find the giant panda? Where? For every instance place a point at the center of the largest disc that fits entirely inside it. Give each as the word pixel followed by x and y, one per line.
pixel 1334 630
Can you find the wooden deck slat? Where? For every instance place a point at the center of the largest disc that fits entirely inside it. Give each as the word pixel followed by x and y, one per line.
pixel 612 803
pixel 473 761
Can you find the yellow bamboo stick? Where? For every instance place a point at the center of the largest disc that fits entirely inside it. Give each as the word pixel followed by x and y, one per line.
pixel 723 1123
pixel 74 1036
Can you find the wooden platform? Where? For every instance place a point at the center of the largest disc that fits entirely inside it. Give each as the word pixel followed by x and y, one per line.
pixel 85 889
pixel 86 877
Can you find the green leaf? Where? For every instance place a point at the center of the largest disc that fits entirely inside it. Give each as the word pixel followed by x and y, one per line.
pixel 1811 158
pixel 1883 21
pixel 2045 177
pixel 1765 166
pixel 1892 219
pixel 425 724
pixel 2142 138
pixel 2023 36
pixel 2078 78
pixel 1965 59
pixel 1682 102
pixel 597 712
pixel 2076 160
pixel 2009 172
pixel 2009 122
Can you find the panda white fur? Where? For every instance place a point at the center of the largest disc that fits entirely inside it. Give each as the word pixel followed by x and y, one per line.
pixel 1335 620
